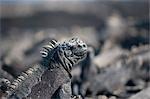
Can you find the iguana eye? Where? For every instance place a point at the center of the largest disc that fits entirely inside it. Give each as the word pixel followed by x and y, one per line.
pixel 79 46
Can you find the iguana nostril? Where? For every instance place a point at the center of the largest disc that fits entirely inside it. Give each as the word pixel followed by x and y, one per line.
pixel 84 45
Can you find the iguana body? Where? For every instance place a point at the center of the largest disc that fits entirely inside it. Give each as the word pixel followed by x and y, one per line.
pixel 51 74
pixel 21 87
pixel 50 82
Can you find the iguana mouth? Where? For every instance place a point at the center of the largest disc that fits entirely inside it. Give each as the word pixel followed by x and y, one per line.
pixel 81 53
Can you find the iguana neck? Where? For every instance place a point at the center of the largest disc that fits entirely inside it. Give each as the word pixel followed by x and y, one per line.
pixel 56 61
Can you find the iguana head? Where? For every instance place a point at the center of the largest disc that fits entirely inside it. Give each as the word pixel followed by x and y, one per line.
pixel 67 53
pixel 74 50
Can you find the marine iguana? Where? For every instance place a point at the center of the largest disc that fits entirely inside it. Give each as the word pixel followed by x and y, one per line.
pixel 51 74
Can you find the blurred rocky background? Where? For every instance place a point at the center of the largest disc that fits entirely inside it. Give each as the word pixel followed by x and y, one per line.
pixel 117 33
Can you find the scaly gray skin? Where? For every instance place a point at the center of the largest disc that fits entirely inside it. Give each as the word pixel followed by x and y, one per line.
pixel 59 78
pixel 58 59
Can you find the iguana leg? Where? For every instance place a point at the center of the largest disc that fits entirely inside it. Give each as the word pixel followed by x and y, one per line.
pixel 65 92
pixel 4 84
